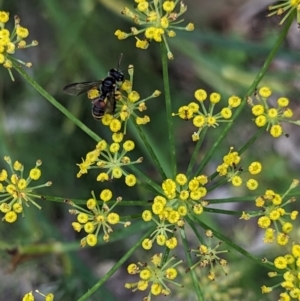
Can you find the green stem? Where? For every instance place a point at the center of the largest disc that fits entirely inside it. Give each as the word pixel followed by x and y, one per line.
pixel 196 152
pixel 252 140
pixel 113 269
pixel 55 103
pixel 222 211
pixel 232 200
pixel 145 181
pixel 194 277
pixel 168 108
pixel 250 91
pixel 150 149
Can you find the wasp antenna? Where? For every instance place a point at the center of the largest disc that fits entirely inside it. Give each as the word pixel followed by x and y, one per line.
pixel 120 59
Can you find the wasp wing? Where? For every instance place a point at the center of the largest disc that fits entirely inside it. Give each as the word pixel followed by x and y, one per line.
pixel 76 89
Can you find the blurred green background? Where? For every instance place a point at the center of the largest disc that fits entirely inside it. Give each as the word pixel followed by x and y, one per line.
pixel 77 43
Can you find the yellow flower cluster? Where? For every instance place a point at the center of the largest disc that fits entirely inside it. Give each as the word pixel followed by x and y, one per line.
pixel 232 172
pixel 209 257
pixel 182 198
pixel 155 275
pixel 206 118
pixel 30 297
pixel 289 6
pixel 94 217
pixel 158 19
pixel 289 264
pixel 128 103
pixel 10 40
pixel 269 116
pixel 274 213
pixel 227 287
pixel 15 191
pixel 111 158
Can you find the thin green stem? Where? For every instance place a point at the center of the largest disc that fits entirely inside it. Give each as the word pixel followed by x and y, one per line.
pixel 168 108
pixel 250 91
pixel 194 277
pixel 232 200
pixel 55 103
pixel 146 182
pixel 196 153
pixel 252 140
pixel 196 231
pixel 150 149
pixel 222 211
pixel 113 269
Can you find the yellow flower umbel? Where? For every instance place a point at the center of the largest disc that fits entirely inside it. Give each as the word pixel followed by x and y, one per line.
pixel 271 117
pixel 10 41
pixel 206 118
pixel 289 265
pixel 209 256
pixel 289 6
pixel 227 287
pixel 159 19
pixel 154 275
pixel 273 212
pixel 128 103
pixel 95 217
pixel 232 172
pixel 182 198
pixel 110 158
pixel 15 191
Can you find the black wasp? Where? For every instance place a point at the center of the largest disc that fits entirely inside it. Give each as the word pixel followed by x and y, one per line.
pixel 107 87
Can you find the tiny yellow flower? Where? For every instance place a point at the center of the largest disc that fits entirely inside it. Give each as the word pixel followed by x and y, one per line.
pixel 35 173
pixel 91 239
pixel 181 179
pixel 147 215
pixel 29 296
pixel 252 184
pixel 234 101
pixel 115 125
pixel 261 120
pixel 257 110
pixel 265 92
pixel 106 195
pixel 10 217
pixel 280 262
pixel 4 16
pixel 22 32
pixel 236 181
pixel 283 101
pixel 168 6
pixel 82 218
pixel 214 97
pixel 130 180
pixel 147 244
pixel 171 243
pixel 199 121
pixel 91 203
pixel 89 227
pixel 276 130
pixel 264 222
pixel 200 95
pixel 255 168
pixel 128 145
pixel 226 113
pixel 113 218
